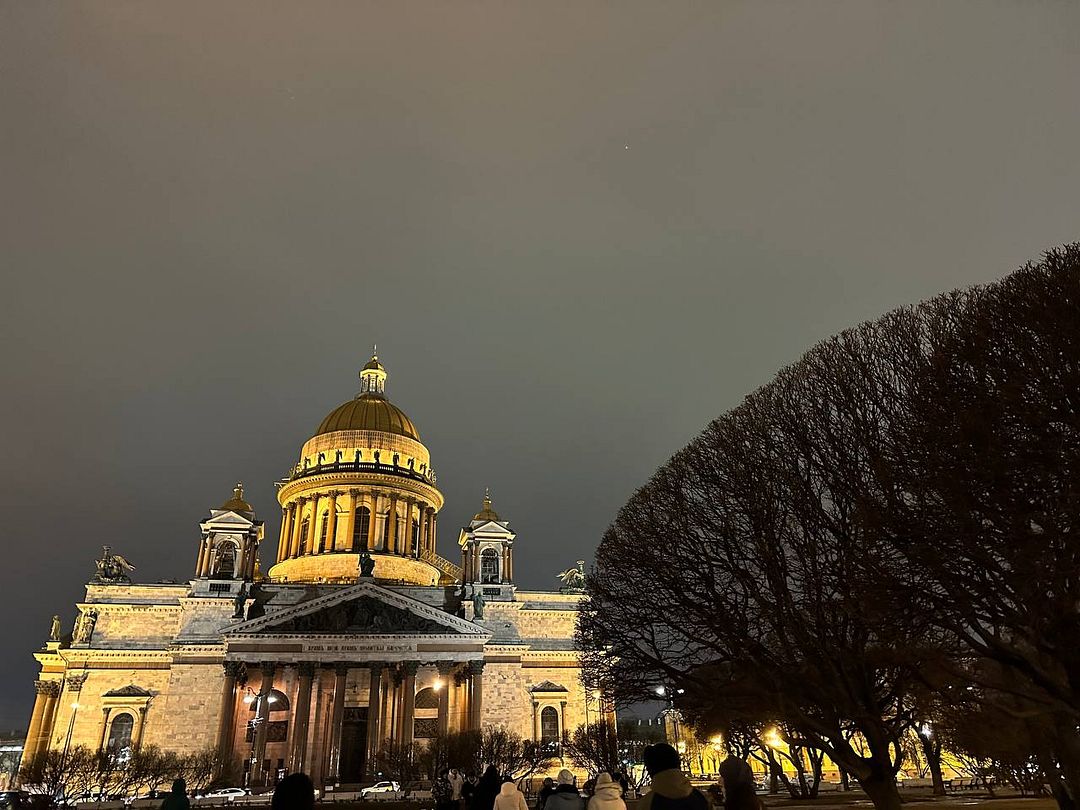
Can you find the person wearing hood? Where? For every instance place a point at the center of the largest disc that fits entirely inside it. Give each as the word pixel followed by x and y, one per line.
pixel 670 789
pixel 487 789
pixel 510 798
pixel 607 794
pixel 177 799
pixel 565 796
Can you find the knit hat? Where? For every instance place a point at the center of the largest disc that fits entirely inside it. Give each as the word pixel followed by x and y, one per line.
pixel 604 779
pixel 565 777
pixel 659 757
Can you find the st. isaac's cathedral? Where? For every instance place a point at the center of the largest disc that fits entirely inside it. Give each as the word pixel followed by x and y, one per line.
pixel 357 634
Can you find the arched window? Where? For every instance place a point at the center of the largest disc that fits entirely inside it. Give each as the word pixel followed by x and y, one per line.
pixel 386 531
pixel 120 734
pixel 225 562
pixel 305 524
pixel 360 528
pixel 489 565
pixel 549 725
pixel 322 530
pixel 427 698
pixel 416 536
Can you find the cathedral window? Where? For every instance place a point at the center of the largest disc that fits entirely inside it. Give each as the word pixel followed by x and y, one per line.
pixel 489 565
pixel 416 535
pixel 304 524
pixel 549 725
pixel 386 531
pixel 120 734
pixel 322 530
pixel 360 528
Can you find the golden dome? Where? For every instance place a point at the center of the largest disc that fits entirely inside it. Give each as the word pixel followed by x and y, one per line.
pixel 486 513
pixel 369 412
pixel 237 503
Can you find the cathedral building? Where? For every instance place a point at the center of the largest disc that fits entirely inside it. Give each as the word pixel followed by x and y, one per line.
pixel 359 633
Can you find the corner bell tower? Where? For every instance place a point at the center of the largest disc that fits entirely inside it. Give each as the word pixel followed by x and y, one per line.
pixel 487 553
pixel 230 541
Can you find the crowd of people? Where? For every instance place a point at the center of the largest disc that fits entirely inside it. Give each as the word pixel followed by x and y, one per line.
pixel 670 789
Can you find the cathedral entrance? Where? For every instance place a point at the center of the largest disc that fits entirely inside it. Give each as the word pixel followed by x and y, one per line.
pixel 353 744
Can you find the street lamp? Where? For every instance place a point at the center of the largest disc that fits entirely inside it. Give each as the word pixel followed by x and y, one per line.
pixel 253 724
pixel 71 728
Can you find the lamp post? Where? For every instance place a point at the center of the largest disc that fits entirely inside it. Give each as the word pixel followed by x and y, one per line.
pixel 71 728
pixel 253 724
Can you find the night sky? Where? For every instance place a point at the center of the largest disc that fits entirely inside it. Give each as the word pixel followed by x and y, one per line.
pixel 577 231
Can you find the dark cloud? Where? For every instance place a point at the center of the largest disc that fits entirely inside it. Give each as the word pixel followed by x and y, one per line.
pixel 210 211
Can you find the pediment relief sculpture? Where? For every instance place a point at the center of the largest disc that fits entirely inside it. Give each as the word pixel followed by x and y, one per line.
pixel 362 616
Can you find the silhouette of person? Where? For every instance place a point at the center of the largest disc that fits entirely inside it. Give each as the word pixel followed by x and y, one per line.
pixel 294 792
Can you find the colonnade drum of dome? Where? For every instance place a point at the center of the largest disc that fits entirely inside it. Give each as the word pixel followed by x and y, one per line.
pixel 363 484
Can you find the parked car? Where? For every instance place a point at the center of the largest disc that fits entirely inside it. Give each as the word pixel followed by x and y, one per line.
pixel 379 787
pixel 227 793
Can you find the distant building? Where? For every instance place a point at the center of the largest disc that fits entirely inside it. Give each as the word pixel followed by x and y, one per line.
pixel 358 633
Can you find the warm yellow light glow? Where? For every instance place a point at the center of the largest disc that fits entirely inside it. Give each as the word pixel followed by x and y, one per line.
pixel 437 685
pixel 74 705
pixel 772 738
pixel 717 740
pixel 596 694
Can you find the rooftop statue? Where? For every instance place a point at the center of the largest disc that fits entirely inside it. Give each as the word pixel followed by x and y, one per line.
pixel 112 567
pixel 573 579
pixel 367 565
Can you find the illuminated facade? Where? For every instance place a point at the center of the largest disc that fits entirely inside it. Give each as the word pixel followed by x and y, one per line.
pixel 357 634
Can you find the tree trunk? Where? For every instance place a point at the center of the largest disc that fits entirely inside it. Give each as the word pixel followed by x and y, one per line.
pixel 932 751
pixel 882 792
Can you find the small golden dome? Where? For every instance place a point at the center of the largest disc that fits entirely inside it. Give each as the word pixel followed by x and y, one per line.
pixel 370 409
pixel 486 513
pixel 237 503
pixel 369 412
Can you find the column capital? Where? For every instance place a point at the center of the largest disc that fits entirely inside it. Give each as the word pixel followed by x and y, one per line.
pixel 268 668
pixel 75 682
pixel 342 668
pixel 410 668
pixel 445 667
pixel 476 667
pixel 49 688
pixel 376 667
pixel 233 669
pixel 306 669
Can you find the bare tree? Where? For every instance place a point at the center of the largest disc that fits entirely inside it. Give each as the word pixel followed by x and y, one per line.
pixel 593 747
pixel 899 502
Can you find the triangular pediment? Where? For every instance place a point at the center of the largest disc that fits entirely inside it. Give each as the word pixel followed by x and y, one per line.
pixel 367 610
pixel 220 517
pixel 490 527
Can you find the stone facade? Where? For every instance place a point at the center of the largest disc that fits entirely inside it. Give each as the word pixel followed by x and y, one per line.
pixel 158 655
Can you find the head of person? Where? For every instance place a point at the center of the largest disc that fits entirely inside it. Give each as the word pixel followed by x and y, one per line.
pixel 549 782
pixel 660 757
pixel 179 787
pixel 444 773
pixel 294 792
pixel 492 774
pixel 565 777
pixel 604 780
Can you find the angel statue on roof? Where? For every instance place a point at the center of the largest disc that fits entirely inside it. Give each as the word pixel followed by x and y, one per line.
pixel 112 567
pixel 573 579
